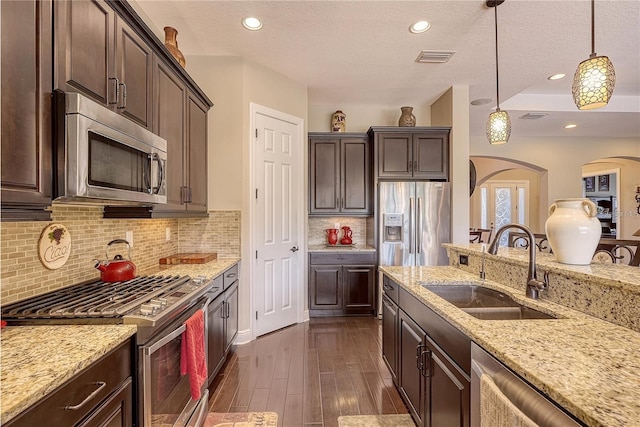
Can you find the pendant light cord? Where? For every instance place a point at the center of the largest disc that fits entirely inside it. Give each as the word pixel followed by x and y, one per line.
pixel 497 74
pixel 593 27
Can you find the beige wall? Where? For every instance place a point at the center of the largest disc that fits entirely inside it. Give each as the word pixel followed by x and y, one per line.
pixel 452 109
pixel 360 118
pixel 561 157
pixel 233 83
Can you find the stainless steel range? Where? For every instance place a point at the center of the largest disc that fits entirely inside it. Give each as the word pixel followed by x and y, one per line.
pixel 158 306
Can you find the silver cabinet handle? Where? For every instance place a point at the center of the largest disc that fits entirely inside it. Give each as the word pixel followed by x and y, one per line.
pixel 409 167
pixel 100 384
pixel 425 368
pixel 117 90
pixel 231 275
pixel 419 226
pixel 124 96
pixel 294 249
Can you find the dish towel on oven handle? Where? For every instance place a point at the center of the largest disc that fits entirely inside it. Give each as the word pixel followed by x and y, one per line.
pixel 192 356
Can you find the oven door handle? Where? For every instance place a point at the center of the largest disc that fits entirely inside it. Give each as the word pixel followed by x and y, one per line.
pixel 149 350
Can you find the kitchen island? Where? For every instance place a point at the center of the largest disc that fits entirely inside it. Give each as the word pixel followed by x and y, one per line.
pixel 587 365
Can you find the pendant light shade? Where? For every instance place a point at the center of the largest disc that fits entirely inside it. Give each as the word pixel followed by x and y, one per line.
pixel 498 127
pixel 595 77
pixel 499 123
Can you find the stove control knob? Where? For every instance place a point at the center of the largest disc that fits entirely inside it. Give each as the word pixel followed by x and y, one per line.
pixel 199 280
pixel 158 302
pixel 147 309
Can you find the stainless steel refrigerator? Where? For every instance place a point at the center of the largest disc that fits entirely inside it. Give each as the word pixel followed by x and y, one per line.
pixel 414 221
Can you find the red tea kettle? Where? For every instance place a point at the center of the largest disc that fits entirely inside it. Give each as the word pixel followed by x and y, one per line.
pixel 117 269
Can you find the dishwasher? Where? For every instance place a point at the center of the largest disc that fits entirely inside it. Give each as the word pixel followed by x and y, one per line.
pixel 504 399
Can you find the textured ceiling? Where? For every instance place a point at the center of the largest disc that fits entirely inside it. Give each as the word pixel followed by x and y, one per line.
pixel 361 53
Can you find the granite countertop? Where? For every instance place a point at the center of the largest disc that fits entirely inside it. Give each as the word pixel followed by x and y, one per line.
pixel 587 365
pixel 35 360
pixel 38 359
pixel 617 275
pixel 341 248
pixel 209 270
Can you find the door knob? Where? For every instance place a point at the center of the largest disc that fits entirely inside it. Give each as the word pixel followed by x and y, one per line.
pixel 294 249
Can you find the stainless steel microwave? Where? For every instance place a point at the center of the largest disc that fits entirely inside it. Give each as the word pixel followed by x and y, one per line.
pixel 105 158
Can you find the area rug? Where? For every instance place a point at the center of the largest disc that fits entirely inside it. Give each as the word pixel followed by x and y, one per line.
pixel 241 419
pixel 402 420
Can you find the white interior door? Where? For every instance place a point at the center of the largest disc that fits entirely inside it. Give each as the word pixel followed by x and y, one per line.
pixel 277 281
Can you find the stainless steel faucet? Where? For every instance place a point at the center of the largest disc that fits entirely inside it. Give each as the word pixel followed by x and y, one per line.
pixel 533 284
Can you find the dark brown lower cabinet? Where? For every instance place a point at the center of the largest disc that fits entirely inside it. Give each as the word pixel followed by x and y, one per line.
pixel 101 395
pixel 341 284
pixel 390 336
pixel 430 380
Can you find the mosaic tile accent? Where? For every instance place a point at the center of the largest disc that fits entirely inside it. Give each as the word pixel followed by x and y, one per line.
pixel 316 235
pixel 23 275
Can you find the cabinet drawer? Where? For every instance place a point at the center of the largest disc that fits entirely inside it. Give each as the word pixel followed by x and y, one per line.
pixel 390 289
pixel 111 371
pixel 230 276
pixel 343 259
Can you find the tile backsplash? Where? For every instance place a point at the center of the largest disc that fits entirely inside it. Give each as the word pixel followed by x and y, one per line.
pixel 317 225
pixel 23 275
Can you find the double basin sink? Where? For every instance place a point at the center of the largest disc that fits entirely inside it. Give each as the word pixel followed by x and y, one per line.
pixel 485 303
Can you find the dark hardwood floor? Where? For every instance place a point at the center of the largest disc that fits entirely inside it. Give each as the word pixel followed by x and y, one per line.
pixel 310 374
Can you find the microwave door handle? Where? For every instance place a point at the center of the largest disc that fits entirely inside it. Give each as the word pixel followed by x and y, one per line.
pixel 160 174
pixel 147 175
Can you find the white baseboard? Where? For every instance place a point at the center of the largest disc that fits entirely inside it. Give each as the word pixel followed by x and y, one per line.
pixel 243 337
pixel 305 316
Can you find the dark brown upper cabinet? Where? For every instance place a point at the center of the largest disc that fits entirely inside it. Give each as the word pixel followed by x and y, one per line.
pixel 339 174
pixel 101 56
pixel 27 171
pixel 411 152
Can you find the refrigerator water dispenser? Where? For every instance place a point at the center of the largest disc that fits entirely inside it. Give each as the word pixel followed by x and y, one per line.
pixel 392 227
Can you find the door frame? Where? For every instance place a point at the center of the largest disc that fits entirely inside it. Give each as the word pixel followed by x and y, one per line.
pixel 254 110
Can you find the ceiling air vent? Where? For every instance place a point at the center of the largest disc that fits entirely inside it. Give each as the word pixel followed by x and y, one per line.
pixel 534 115
pixel 435 56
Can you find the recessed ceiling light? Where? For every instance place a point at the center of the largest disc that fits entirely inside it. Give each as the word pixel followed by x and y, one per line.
pixel 420 27
pixel 556 76
pixel 481 101
pixel 570 126
pixel 252 23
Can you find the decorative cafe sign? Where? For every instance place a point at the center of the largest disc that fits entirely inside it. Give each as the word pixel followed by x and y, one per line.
pixel 54 247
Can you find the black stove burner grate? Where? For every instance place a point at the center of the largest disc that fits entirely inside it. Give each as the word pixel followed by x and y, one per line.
pixel 94 299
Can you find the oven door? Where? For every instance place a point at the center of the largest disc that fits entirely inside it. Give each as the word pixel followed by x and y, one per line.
pixel 165 396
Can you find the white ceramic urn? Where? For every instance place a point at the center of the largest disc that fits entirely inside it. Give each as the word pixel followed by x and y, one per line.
pixel 573 230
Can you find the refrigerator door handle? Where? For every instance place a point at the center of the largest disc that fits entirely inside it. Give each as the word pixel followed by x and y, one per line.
pixel 419 226
pixel 412 212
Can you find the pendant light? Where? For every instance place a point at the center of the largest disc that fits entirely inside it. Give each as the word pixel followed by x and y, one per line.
pixel 498 124
pixel 595 77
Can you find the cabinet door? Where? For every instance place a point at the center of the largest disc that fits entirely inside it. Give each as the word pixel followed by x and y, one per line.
pixel 395 153
pixel 389 336
pixel 431 156
pixel 410 379
pixel 170 96
pixel 356 176
pixel 324 179
pixel 85 50
pixel 325 285
pixel 134 65
pixel 231 327
pixel 116 411
pixel 358 286
pixel 215 336
pixel 447 397
pixel 26 109
pixel 196 155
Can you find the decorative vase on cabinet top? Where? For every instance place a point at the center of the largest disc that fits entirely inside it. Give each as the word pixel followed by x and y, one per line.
pixel 332 235
pixel 407 119
pixel 573 230
pixel 338 122
pixel 171 43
